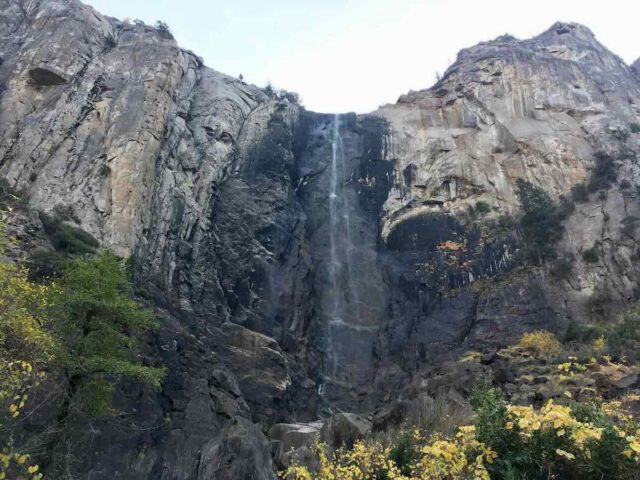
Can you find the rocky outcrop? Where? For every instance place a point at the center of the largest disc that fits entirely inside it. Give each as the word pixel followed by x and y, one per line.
pixel 635 67
pixel 308 265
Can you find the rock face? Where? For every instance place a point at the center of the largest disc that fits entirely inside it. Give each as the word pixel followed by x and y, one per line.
pixel 308 264
pixel 635 67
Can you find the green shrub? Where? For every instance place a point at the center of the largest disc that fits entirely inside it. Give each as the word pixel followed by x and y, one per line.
pixel 625 184
pixel 577 441
pixel 506 223
pixel 591 255
pixel 8 195
pixel 634 127
pixel 164 30
pixel 66 237
pixel 45 264
pixel 404 453
pixel 566 207
pixel 540 221
pixel 585 332
pixel 562 268
pixel 482 207
pixel 604 172
pixel 623 335
pixel 580 193
pixel 492 417
pixel 73 240
pixel 101 328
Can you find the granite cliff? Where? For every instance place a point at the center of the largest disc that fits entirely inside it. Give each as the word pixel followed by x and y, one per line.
pixel 308 266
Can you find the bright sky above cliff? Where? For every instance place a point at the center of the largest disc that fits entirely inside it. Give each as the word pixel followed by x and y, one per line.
pixel 353 55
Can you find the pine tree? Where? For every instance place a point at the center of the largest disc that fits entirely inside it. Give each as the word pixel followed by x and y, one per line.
pixel 540 221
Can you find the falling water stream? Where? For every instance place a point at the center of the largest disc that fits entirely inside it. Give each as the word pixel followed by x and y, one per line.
pixel 352 296
pixel 343 310
pixel 338 222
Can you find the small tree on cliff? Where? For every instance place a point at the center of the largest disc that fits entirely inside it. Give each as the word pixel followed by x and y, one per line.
pixel 101 328
pixel 540 221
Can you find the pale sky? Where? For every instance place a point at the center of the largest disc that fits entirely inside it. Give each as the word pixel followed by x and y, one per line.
pixel 354 55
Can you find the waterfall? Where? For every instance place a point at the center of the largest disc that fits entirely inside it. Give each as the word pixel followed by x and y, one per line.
pixel 344 311
pixel 337 224
pixel 352 295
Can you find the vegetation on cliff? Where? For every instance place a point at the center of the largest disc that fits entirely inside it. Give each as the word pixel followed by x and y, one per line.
pixel 574 440
pixel 579 433
pixel 540 222
pixel 81 330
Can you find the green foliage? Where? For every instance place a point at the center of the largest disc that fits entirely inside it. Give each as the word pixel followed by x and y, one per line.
pixel 71 239
pixel 269 90
pixel 540 221
pixel 404 453
pixel 580 441
pixel 591 255
pixel 482 207
pixel 96 396
pixel 580 193
pixel 100 326
pixel 130 265
pixel 585 332
pixel 506 223
pixel 622 334
pixel 85 324
pixel 556 441
pixel 26 348
pixel 66 237
pixel 45 264
pixel 492 416
pixel 8 195
pixel 603 174
pixel 163 29
pixel 562 268
pixel 634 127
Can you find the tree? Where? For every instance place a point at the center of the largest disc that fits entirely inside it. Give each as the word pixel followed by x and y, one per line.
pixel 101 327
pixel 604 172
pixel 26 349
pixel 540 221
pixel 163 28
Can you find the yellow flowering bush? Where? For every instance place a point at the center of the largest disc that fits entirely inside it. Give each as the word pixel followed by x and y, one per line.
pixel 26 348
pixel 459 458
pixel 577 441
pixel 556 441
pixel 363 460
pixel 463 457
pixel 541 343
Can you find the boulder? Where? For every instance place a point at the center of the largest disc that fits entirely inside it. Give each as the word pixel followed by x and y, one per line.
pixel 294 442
pixel 343 429
pixel 240 450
